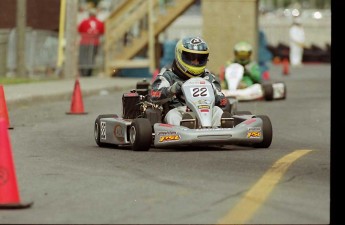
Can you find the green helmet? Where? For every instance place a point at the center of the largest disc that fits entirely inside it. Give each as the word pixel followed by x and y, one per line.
pixel 243 51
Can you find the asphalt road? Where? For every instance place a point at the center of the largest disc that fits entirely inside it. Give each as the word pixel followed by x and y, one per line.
pixel 71 180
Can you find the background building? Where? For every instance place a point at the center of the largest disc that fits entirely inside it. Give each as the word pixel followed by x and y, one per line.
pixel 273 17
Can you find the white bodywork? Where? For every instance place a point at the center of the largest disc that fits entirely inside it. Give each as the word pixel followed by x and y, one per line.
pixel 233 75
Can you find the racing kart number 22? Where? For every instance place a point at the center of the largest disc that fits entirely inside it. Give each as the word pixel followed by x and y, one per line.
pixel 199 92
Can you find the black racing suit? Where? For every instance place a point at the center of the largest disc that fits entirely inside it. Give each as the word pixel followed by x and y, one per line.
pixel 160 93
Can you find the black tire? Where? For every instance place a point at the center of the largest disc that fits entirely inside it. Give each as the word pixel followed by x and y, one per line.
pixel 267 132
pixel 140 134
pixel 97 129
pixel 285 90
pixel 268 91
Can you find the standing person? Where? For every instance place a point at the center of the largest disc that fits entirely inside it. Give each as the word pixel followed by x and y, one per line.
pixel 297 40
pixel 191 56
pixel 90 30
pixel 265 56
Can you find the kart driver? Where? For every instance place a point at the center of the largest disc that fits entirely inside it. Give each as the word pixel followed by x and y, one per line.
pixel 191 56
pixel 252 73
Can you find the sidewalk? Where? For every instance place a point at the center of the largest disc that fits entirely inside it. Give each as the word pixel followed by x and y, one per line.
pixel 63 89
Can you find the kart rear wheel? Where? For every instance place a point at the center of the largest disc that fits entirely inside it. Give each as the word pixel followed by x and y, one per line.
pixel 284 97
pixel 98 129
pixel 140 134
pixel 278 89
pixel 268 91
pixel 267 132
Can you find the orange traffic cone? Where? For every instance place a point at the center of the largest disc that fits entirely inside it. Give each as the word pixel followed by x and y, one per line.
pixel 9 196
pixel 3 107
pixel 276 60
pixel 77 106
pixel 286 67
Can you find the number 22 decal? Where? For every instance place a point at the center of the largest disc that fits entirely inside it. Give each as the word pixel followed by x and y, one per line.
pixel 199 92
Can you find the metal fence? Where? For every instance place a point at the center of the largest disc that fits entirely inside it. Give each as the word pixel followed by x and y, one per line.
pixel 41 53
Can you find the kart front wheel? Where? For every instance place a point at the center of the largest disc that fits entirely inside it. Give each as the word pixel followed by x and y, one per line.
pixel 140 134
pixel 267 132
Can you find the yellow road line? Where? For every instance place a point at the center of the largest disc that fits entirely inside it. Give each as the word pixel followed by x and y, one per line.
pixel 255 197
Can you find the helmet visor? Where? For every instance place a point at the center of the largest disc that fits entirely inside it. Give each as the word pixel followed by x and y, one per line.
pixel 194 59
pixel 242 55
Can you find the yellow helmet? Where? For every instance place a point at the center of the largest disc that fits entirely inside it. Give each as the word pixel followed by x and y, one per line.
pixel 191 56
pixel 242 51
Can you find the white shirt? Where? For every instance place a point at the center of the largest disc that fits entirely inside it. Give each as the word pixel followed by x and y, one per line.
pixel 297 34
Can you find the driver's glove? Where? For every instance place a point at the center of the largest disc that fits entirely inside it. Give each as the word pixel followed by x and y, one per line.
pixel 176 88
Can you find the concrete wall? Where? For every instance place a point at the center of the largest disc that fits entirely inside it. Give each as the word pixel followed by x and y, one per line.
pixel 225 22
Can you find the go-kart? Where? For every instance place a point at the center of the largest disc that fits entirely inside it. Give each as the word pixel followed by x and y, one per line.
pixel 258 91
pixel 141 125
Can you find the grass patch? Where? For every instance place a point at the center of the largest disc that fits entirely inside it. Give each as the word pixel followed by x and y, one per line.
pixel 17 80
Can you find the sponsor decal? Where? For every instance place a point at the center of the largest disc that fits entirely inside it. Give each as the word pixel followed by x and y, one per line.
pixel 165 125
pixel 204 110
pixel 254 132
pixel 166 138
pixel 203 107
pixel 191 83
pixel 156 94
pixel 131 94
pixel 196 41
pixel 118 133
pixel 103 134
pixel 202 102
pixel 167 133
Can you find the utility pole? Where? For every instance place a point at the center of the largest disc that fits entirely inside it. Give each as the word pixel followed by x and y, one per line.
pixel 61 47
pixel 71 47
pixel 151 38
pixel 20 38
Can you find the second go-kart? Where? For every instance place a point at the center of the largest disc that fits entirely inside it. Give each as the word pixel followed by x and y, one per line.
pixel 266 90
pixel 141 125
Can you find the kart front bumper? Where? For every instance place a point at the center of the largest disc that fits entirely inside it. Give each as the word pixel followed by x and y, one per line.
pixel 248 132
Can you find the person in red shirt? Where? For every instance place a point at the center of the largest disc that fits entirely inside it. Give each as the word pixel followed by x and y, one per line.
pixel 90 30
